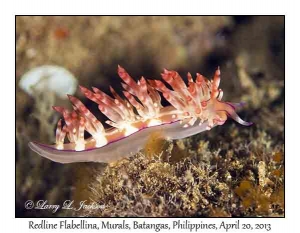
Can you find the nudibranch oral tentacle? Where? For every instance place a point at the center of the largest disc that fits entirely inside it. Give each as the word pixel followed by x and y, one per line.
pixel 195 107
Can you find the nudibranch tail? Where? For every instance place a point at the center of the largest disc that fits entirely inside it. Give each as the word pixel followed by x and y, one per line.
pixel 195 107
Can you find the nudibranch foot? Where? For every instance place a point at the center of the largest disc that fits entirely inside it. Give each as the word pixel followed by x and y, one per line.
pixel 196 106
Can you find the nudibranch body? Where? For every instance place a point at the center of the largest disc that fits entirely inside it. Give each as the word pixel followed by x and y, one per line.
pixel 194 108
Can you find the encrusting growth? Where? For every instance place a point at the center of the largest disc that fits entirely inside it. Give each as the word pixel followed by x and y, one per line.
pixel 195 107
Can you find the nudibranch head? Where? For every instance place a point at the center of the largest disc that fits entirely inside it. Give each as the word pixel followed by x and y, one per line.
pixel 195 107
pixel 199 100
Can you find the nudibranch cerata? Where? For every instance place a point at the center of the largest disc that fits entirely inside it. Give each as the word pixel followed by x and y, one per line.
pixel 195 107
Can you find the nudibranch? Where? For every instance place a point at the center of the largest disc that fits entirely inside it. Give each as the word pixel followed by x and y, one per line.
pixel 195 107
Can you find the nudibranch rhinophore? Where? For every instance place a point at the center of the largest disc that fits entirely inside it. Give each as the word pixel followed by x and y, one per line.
pixel 194 108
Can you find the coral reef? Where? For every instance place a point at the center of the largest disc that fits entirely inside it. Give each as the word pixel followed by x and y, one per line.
pixel 242 180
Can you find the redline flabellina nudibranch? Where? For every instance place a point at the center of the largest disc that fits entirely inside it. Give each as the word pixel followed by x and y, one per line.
pixel 194 108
